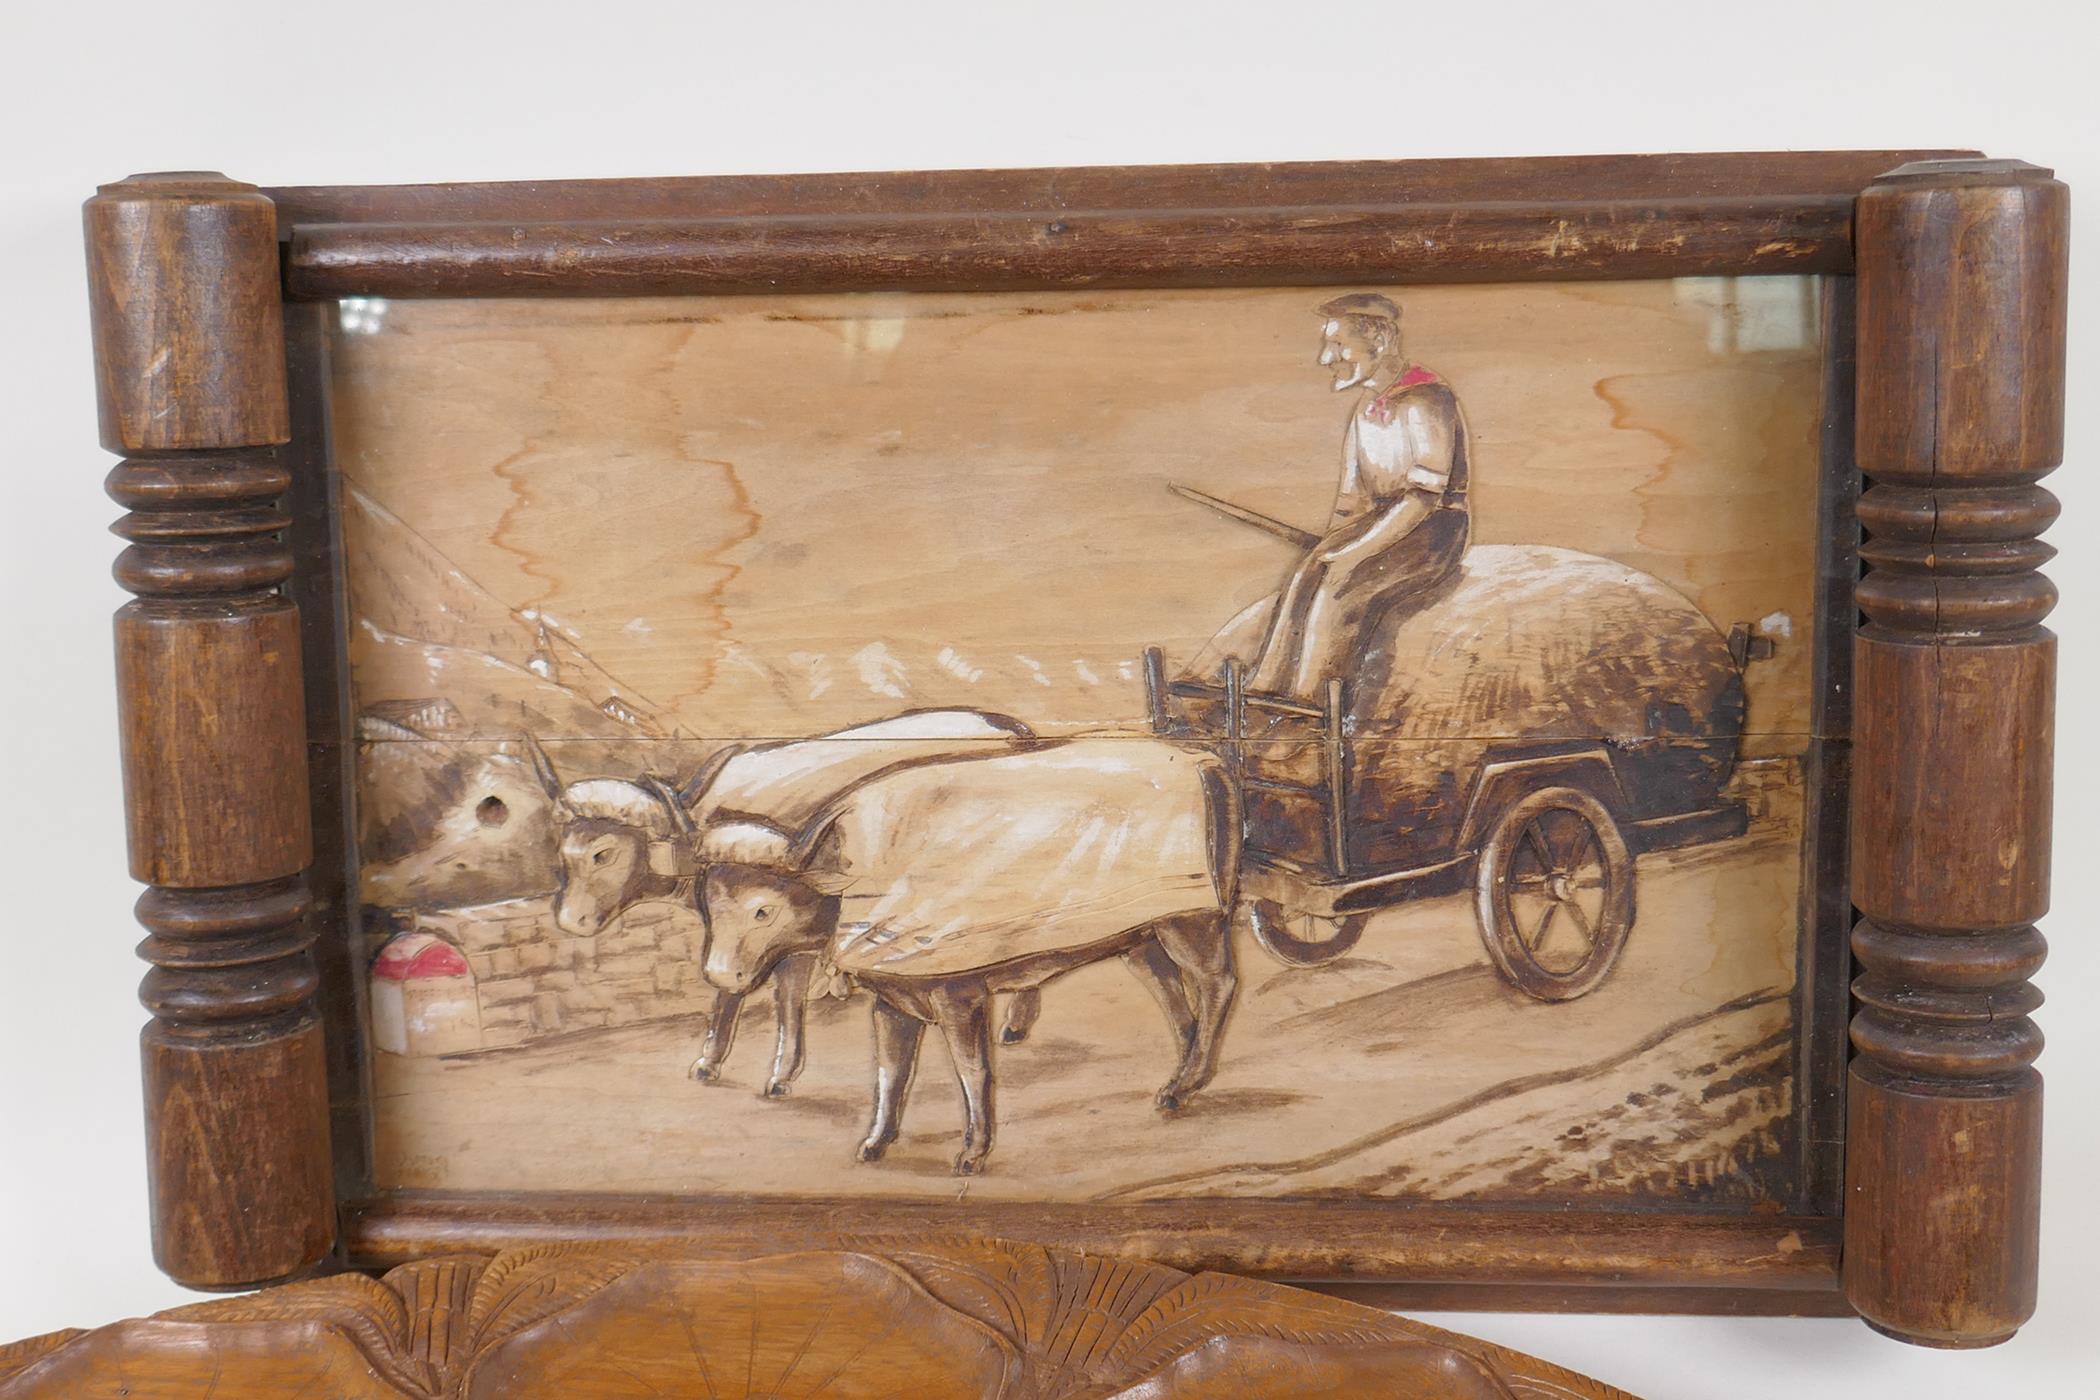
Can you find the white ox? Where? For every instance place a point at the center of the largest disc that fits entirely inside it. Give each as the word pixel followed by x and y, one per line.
pixel 940 884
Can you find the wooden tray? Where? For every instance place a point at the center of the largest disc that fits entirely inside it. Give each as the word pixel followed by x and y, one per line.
pixel 937 1318
pixel 568 609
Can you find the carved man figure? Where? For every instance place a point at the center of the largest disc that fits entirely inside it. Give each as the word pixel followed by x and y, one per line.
pixel 1399 525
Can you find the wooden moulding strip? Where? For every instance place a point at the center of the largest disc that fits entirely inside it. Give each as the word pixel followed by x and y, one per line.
pixel 1566 218
pixel 1356 1243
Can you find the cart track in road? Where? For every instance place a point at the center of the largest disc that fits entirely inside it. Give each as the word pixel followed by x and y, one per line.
pixel 1393 1132
pixel 1343 1012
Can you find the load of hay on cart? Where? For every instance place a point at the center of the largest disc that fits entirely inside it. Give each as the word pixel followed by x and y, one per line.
pixel 1527 731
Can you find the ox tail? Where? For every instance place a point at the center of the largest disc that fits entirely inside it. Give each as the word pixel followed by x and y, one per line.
pixel 1225 819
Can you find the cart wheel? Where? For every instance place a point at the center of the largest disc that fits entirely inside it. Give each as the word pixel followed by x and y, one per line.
pixel 1303 940
pixel 1555 893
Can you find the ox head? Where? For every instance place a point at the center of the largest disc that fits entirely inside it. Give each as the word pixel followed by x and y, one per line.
pixel 764 896
pixel 620 843
pixel 442 825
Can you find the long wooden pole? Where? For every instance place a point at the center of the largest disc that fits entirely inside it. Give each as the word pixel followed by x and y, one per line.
pixel 1267 524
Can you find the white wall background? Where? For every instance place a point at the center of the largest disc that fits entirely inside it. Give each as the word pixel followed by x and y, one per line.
pixel 381 91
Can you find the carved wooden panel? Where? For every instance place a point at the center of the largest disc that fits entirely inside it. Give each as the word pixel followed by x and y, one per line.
pixel 702 570
pixel 935 1320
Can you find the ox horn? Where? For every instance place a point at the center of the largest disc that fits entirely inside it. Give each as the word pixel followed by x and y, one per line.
pixel 694 788
pixel 543 769
pixel 802 855
pixel 812 836
pixel 678 857
pixel 673 802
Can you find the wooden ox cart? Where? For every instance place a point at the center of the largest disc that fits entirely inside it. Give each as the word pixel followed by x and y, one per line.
pixel 1526 733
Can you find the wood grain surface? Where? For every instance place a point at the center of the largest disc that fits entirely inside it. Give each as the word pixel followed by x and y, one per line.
pixel 760 517
pixel 185 360
pixel 190 372
pixel 1566 218
pixel 639 530
pixel 1963 267
pixel 933 1318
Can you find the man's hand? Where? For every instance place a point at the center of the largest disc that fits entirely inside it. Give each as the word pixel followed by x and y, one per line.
pixel 1373 534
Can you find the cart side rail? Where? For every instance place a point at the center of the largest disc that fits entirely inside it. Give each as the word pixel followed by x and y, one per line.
pixel 1502 778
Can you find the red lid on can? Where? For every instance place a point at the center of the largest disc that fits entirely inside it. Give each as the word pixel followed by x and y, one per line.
pixel 418 955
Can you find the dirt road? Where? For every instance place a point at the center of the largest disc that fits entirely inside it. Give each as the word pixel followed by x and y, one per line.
pixel 1406 1069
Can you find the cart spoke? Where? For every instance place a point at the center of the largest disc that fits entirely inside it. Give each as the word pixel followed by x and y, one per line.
pixel 1537 841
pixel 1538 935
pixel 1527 909
pixel 1582 920
pixel 1568 945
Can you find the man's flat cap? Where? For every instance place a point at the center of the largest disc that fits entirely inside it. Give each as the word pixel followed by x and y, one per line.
pixel 1360 304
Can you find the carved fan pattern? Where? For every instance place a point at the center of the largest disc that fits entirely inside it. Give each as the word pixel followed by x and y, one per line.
pixel 934 1320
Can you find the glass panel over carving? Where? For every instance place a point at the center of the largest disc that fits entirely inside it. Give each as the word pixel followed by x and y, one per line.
pixel 1355 742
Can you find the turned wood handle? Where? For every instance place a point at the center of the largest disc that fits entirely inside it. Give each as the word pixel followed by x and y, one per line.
pixel 1962 271
pixel 189 358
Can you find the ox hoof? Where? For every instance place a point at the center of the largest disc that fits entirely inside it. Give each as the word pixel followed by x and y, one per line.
pixel 776 1089
pixel 1169 1101
pixel 970 1164
pixel 871 1150
pixel 704 1073
pixel 1012 1035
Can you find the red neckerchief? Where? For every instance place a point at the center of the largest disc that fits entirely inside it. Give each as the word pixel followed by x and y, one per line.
pixel 1380 409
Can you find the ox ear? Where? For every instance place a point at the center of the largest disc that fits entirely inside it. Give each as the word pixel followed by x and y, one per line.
pixel 827 882
pixel 543 768
pixel 694 788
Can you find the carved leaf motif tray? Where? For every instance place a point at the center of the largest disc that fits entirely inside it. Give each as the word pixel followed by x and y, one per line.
pixel 946 1320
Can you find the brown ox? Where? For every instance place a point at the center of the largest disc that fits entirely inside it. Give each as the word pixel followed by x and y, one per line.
pixel 623 843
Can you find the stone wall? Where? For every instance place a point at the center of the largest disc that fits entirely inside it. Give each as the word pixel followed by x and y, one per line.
pixel 535 981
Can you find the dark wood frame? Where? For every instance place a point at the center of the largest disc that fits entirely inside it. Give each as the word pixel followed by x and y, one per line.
pixel 210 356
